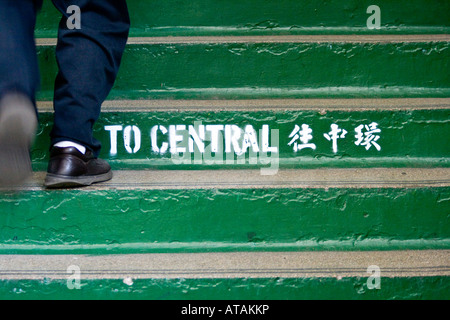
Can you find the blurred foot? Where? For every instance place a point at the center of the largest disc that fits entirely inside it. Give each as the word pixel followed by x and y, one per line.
pixel 18 124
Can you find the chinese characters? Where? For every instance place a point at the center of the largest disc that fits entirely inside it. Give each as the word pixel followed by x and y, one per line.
pixel 366 135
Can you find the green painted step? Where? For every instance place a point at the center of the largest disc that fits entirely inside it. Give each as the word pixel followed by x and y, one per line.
pixel 231 276
pixel 228 210
pixel 304 195
pixel 412 288
pixel 277 67
pixel 241 17
pixel 267 134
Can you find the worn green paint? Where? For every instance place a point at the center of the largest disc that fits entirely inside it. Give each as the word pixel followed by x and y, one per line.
pixel 409 288
pixel 131 221
pixel 238 17
pixel 126 221
pixel 271 70
pixel 407 138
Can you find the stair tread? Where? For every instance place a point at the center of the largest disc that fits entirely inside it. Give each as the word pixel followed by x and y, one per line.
pixel 189 68
pixel 352 104
pixel 395 263
pixel 208 17
pixel 252 178
pixel 367 38
pixel 163 211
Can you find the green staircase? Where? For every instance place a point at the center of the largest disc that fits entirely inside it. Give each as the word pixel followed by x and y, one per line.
pixel 261 150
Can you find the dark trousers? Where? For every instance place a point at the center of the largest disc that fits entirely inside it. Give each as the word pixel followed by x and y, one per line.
pixel 88 60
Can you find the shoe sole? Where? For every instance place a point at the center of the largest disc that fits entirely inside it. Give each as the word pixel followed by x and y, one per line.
pixel 18 124
pixel 53 181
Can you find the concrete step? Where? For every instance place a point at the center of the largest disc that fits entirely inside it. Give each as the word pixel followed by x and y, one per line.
pixel 287 218
pixel 241 17
pixel 143 134
pixel 275 67
pixel 402 274
pixel 223 210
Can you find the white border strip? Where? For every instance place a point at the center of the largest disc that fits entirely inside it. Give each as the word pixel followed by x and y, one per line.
pixel 322 264
pixel 266 104
pixel 381 38
pixel 252 179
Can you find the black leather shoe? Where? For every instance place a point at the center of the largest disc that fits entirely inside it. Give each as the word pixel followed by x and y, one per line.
pixel 68 167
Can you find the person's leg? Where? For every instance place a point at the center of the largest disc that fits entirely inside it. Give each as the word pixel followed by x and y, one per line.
pixel 19 81
pixel 88 58
pixel 19 71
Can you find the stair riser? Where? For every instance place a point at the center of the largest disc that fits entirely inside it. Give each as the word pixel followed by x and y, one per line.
pixel 127 221
pixel 235 17
pixel 256 70
pixel 142 140
pixel 230 289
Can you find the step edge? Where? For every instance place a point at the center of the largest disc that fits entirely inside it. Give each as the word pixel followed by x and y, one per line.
pixel 360 178
pixel 379 38
pixel 356 104
pixel 309 264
